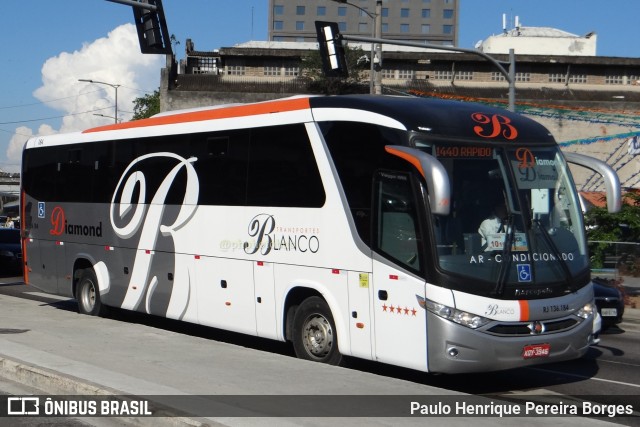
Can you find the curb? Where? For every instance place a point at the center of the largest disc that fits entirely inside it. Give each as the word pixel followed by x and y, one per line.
pixel 50 382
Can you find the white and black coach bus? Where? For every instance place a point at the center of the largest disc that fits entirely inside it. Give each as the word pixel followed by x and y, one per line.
pixel 347 225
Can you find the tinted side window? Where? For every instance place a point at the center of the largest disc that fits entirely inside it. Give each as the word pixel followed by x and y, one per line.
pixel 39 169
pixel 357 150
pixel 222 167
pixel 396 229
pixel 282 169
pixel 75 170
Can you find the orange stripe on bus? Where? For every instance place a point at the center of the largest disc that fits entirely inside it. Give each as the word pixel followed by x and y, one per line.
pixel 219 113
pixel 524 310
pixel 408 157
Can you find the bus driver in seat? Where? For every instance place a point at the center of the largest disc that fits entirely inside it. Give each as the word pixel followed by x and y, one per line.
pixel 493 225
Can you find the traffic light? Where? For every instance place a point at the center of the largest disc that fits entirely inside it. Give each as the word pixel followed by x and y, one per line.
pixel 151 25
pixel 334 63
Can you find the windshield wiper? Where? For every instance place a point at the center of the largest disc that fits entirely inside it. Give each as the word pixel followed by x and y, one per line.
pixel 506 256
pixel 556 252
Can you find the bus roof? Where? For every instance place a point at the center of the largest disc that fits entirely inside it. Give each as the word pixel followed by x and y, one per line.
pixel 440 118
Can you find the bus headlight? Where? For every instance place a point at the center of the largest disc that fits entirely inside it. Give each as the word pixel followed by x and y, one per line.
pixel 587 310
pixel 463 318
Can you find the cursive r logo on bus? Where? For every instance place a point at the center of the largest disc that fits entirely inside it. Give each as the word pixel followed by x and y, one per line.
pixel 494 125
pixel 57 221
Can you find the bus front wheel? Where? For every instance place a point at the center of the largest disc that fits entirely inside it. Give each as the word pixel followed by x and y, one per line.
pixel 314 332
pixel 88 294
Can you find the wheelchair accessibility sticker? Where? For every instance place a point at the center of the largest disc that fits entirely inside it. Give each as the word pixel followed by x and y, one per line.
pixel 524 272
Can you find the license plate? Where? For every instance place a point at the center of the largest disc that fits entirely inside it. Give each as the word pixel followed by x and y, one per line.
pixel 536 350
pixel 609 312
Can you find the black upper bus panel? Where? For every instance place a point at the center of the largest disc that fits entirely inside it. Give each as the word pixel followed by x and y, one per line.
pixel 446 119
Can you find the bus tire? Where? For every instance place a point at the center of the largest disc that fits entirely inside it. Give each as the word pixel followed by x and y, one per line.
pixel 88 294
pixel 314 332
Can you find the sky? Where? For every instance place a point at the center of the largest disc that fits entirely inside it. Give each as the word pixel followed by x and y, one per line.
pixel 49 45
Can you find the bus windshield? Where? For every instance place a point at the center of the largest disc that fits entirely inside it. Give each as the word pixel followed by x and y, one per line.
pixel 515 217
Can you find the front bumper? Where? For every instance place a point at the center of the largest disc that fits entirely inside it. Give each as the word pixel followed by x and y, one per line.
pixel 452 348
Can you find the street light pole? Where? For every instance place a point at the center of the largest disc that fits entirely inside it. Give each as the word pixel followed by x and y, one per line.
pixel 108 84
pixel 378 73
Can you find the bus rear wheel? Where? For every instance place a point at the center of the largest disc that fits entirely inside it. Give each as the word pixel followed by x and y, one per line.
pixel 88 294
pixel 314 332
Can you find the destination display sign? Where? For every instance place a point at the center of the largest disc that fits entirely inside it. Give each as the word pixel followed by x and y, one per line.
pixel 456 151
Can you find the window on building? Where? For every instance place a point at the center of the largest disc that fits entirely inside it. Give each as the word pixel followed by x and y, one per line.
pixel 271 71
pixel 404 13
pixel 388 74
pixel 614 79
pixel 557 78
pixel 405 74
pixel 443 75
pixel 299 25
pixel 404 28
pixel 447 13
pixel 522 77
pixel 578 78
pixel 321 11
pixel 278 25
pixel 363 27
pixel 385 27
pixel 425 28
pixel 278 10
pixel 292 71
pixel 385 12
pixel 236 70
pixel 426 13
pixel 300 10
pixel 497 76
pixel 342 26
pixel 204 65
pixel 363 13
pixel 447 29
pixel 342 11
pixel 464 75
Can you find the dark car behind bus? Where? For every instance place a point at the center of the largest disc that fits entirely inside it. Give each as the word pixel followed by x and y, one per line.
pixel 10 252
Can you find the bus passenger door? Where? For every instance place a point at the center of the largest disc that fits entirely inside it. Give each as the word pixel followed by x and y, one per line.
pixel 400 322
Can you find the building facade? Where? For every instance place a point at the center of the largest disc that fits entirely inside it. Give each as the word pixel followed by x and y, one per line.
pixel 418 21
pixel 540 41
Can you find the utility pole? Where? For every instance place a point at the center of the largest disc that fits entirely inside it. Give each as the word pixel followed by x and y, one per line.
pixel 378 67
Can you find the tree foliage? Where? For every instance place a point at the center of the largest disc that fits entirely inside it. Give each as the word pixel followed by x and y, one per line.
pixel 357 64
pixel 602 226
pixel 146 106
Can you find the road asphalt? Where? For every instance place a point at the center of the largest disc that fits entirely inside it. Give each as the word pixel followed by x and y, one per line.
pixel 50 347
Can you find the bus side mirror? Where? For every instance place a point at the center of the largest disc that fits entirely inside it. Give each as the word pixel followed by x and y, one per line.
pixel 611 180
pixel 434 174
